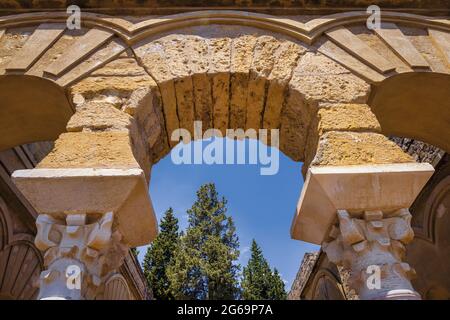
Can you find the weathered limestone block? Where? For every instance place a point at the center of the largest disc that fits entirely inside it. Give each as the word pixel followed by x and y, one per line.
pixel 145 105
pixel 427 47
pixel 102 55
pixel 294 126
pixel 11 42
pixel 152 56
pixel 241 61
pixel 197 49
pixel 372 245
pixel 219 73
pixel 285 60
pixel 91 150
pixel 103 86
pixel 121 96
pixel 315 79
pixel 176 49
pixel 354 148
pixel 339 117
pixel 56 50
pixel 124 66
pixel 346 117
pixel 323 80
pixel 263 60
pixel 99 116
pixel 313 63
pixel 381 47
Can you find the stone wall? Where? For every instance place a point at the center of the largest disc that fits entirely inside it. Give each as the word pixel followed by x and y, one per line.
pixel 303 274
pixel 420 151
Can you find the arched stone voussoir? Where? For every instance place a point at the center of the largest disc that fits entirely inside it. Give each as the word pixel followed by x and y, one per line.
pixel 227 79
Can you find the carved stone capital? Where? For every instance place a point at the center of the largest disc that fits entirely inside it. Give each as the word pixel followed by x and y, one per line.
pixel 372 245
pixel 81 252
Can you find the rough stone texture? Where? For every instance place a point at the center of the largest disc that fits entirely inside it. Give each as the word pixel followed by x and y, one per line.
pixel 422 42
pixel 285 58
pixel 120 87
pixel 339 117
pixel 315 79
pixel 344 275
pixel 124 66
pixel 91 150
pixel 10 43
pixel 145 105
pixel 241 60
pixel 177 49
pixel 219 70
pixel 420 151
pixel 263 61
pixel 152 56
pixel 196 77
pixel 378 45
pixel 121 96
pixel 353 148
pixel 346 117
pixel 323 80
pixel 56 50
pixel 198 53
pixel 303 274
pixel 99 116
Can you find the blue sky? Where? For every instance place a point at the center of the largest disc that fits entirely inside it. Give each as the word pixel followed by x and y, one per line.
pixel 262 206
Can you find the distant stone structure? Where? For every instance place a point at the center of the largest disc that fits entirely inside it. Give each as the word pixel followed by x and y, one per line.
pixel 111 93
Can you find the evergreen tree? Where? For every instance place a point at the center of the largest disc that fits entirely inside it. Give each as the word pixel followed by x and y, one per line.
pixel 259 282
pixel 205 261
pixel 277 291
pixel 159 257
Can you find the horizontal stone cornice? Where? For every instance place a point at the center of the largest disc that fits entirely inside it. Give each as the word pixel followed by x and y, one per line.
pixel 307 32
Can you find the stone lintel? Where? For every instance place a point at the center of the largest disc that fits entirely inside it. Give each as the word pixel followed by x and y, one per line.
pixel 354 188
pixel 59 192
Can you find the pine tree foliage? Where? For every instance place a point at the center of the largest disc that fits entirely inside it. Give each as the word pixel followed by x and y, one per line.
pixel 159 257
pixel 259 281
pixel 204 265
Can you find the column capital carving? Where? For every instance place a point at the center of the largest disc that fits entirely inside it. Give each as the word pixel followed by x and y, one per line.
pixel 81 252
pixel 360 187
pixel 371 244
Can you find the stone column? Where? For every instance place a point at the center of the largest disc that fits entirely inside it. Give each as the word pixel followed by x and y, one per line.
pixel 355 199
pixel 371 245
pixel 91 190
pixel 79 255
pixel 88 220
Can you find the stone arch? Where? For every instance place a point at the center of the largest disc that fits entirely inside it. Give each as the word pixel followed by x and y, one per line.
pixel 132 85
pixel 20 266
pixel 33 109
pixel 298 77
pixel 116 288
pixel 326 286
pixel 407 105
pixel 20 261
pixel 373 56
